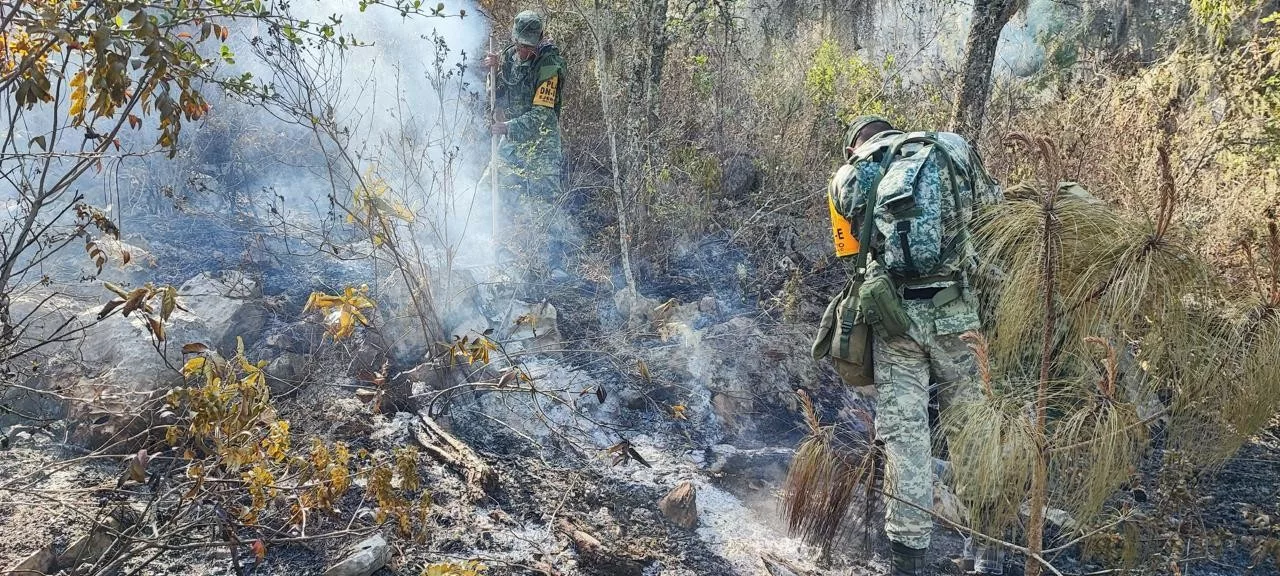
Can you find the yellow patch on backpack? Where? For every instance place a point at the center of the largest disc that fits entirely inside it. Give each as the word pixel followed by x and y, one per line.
pixel 545 95
pixel 842 232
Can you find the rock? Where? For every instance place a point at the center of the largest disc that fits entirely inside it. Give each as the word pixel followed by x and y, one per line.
pixel 45 313
pixel 43 561
pixel 113 361
pixel 632 308
pixel 301 338
pixel 948 506
pixel 681 506
pixel 229 303
pixel 286 373
pixel 136 272
pixel 708 305
pixel 85 549
pixel 118 367
pixel 367 557
pixel 531 327
pixel 728 408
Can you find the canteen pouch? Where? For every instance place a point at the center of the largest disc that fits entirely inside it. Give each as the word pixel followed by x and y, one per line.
pixel 844 337
pixel 880 305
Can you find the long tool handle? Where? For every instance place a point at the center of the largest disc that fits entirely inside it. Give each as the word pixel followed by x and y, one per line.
pixel 493 155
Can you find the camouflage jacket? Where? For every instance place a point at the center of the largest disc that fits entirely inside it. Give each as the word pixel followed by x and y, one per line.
pixel 529 94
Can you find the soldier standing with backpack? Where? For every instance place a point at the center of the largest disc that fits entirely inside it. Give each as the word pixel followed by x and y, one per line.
pixel 897 324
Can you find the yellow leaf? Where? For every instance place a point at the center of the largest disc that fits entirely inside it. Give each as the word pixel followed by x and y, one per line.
pixel 193 366
pixel 77 102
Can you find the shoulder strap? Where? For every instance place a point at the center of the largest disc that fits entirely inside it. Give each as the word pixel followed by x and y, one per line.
pixel 869 206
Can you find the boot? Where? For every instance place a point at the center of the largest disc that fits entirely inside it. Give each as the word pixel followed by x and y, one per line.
pixel 907 561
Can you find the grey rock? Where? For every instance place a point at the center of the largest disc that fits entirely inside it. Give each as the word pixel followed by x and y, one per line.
pixel 229 303
pixel 366 558
pixel 633 308
pixel 286 373
pixel 532 326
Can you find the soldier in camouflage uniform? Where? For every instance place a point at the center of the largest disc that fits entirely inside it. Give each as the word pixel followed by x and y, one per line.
pixel 530 82
pixel 930 357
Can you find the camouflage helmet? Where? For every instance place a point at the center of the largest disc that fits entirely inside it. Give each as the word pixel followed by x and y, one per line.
pixel 527 29
pixel 858 124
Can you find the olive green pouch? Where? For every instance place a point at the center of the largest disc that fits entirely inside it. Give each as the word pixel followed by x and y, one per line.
pixel 881 306
pixel 955 311
pixel 845 332
pixel 846 338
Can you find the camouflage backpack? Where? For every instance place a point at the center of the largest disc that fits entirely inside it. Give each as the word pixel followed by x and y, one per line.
pixel 923 188
pixel 921 181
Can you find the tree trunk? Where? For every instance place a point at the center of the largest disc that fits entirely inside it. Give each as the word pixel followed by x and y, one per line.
pixel 989 18
pixel 605 85
pixel 1040 474
pixel 643 82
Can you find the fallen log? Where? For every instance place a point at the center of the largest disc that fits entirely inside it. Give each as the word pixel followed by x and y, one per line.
pixel 456 454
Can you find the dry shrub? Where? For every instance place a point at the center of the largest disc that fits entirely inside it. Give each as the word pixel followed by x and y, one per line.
pixel 834 468
pixel 993 448
pixel 1203 108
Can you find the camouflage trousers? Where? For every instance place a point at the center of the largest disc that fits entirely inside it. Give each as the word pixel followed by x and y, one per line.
pixel 540 178
pixel 537 230
pixel 904 368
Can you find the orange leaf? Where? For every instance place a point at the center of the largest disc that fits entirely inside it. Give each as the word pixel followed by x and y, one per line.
pixel 259 549
pixel 184 35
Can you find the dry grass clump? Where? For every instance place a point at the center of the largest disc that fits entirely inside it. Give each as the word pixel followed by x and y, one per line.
pixel 1012 242
pixel 1226 391
pixel 1097 447
pixel 834 468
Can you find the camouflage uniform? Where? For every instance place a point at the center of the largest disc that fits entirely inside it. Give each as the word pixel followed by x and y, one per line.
pixel 528 93
pixel 930 356
pixel 531 175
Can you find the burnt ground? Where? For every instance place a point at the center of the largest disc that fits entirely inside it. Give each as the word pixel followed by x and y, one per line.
pixel 517 529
